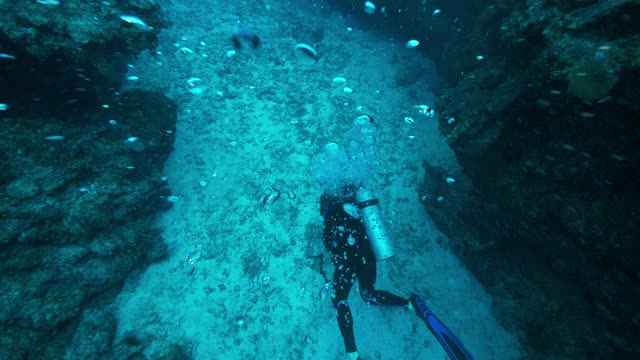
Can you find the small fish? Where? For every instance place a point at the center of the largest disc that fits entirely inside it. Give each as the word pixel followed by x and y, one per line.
pixel 195 86
pixel 54 137
pixel 4 107
pixel 369 7
pixel 270 197
pixel 412 44
pixel 133 78
pixel 479 57
pixel 436 12
pixel 543 103
pixel 7 56
pixel 306 54
pixel 135 21
pixel 193 81
pixel 48 2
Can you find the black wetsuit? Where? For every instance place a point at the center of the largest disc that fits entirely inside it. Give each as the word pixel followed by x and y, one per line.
pixel 345 237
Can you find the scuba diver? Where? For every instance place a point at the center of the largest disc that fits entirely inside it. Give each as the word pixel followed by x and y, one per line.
pixel 354 233
pixel 345 237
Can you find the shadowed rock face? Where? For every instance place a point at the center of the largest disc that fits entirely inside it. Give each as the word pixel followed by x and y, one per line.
pixel 72 55
pixel 545 212
pixel 71 244
pixel 76 198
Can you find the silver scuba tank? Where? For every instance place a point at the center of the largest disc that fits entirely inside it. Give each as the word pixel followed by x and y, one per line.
pixel 379 239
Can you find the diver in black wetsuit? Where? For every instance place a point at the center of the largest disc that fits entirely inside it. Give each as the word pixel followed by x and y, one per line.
pixel 345 237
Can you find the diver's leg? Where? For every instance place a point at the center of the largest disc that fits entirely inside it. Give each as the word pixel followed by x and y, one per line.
pixel 367 273
pixel 383 297
pixel 343 278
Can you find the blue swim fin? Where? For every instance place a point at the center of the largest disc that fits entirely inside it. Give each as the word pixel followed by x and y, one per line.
pixel 449 341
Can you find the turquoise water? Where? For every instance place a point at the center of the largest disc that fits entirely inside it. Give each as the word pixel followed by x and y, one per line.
pixel 163 162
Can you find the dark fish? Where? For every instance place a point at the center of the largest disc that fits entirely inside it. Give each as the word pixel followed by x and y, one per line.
pixel 245 39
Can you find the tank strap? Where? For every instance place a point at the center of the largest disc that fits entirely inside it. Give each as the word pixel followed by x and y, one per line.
pixel 367 203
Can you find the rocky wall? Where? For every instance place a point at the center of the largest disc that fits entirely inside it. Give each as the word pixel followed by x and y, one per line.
pixel 80 175
pixel 545 127
pixel 75 214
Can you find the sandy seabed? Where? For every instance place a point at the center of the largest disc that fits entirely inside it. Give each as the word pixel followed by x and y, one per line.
pixel 244 279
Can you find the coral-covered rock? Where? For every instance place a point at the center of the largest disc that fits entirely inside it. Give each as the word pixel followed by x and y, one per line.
pixel 75 241
pixel 77 201
pixel 22 188
pixel 550 147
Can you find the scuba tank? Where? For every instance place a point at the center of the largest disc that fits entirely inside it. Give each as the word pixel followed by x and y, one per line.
pixel 374 223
